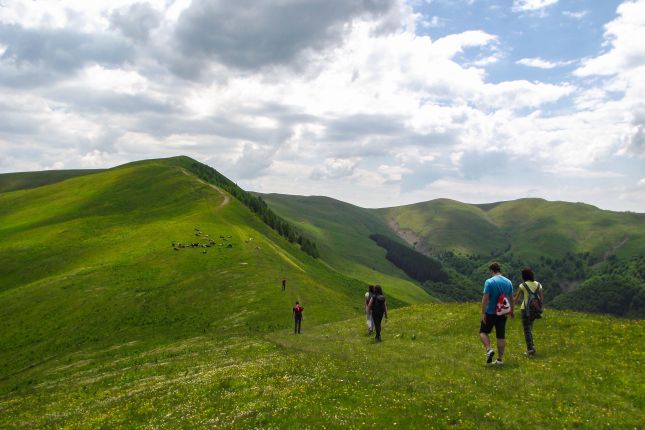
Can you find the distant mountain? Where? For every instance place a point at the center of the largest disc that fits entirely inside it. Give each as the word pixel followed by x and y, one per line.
pixel 27 180
pixel 566 243
pixel 527 227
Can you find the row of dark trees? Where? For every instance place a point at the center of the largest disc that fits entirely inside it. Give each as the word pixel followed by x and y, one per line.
pixel 257 206
pixel 414 264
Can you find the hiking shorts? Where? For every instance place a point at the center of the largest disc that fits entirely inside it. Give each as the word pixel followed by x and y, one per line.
pixel 497 321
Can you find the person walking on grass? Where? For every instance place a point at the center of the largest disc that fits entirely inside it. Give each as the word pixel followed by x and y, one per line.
pixel 284 284
pixel 297 317
pixel 496 305
pixel 378 308
pixel 368 312
pixel 532 296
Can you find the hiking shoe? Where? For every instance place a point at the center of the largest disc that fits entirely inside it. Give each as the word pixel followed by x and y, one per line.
pixel 498 362
pixel 530 353
pixel 489 356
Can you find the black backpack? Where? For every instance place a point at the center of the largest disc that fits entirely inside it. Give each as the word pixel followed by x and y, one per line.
pixel 378 307
pixel 533 306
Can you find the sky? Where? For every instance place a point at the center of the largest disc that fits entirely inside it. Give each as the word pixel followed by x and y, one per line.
pixel 374 102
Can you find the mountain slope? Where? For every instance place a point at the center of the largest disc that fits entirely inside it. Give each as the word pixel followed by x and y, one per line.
pixel 443 224
pixel 527 227
pixel 89 261
pixel 342 232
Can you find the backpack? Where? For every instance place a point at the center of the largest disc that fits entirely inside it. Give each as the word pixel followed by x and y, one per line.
pixel 534 304
pixel 378 307
pixel 503 306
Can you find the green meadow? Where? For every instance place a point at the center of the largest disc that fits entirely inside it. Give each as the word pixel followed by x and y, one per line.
pixel 106 325
pixel 429 372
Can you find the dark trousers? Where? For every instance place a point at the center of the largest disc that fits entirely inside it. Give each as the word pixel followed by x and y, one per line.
pixel 377 324
pixel 527 323
pixel 298 321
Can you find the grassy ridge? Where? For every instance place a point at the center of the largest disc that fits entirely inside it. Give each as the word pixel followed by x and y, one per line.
pixel 428 373
pixel 527 227
pixel 89 261
pixel 444 224
pixel 28 180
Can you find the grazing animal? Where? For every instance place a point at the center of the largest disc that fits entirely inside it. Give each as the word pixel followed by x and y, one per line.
pixel 204 252
pixel 176 249
pixel 230 245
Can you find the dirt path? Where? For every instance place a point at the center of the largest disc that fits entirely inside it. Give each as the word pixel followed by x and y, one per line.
pixel 226 197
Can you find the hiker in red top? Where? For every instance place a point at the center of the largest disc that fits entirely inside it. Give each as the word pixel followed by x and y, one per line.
pixel 297 317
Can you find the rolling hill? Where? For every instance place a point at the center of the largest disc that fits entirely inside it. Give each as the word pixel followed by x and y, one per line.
pixel 529 228
pixel 342 232
pixel 108 322
pixel 567 244
pixel 90 260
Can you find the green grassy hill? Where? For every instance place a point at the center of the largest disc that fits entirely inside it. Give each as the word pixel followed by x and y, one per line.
pixel 529 228
pixel 444 224
pixel 342 232
pixel 27 180
pixel 89 261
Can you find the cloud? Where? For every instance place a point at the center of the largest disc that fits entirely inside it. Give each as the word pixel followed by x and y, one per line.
pixel 542 64
pixel 135 21
pixel 531 5
pixel 35 57
pixel 334 168
pixel 623 36
pixel 251 34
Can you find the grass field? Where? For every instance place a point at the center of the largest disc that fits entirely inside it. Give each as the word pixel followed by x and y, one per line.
pixel 429 372
pixel 89 261
pixel 104 325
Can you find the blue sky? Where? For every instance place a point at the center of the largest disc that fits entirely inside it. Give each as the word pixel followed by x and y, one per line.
pixel 377 103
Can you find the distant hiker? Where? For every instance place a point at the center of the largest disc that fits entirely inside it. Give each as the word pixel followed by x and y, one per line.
pixel 368 312
pixel 284 284
pixel 378 307
pixel 496 305
pixel 297 317
pixel 532 295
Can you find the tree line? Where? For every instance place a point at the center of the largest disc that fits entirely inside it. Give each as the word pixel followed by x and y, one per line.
pixel 414 264
pixel 258 206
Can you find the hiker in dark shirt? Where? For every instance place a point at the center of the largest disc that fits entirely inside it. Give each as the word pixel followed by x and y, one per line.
pixel 378 307
pixel 297 317
pixel 284 284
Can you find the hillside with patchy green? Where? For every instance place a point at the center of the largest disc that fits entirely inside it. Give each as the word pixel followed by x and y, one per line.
pixel 90 261
pixel 145 297
pixel 569 245
pixel 342 232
